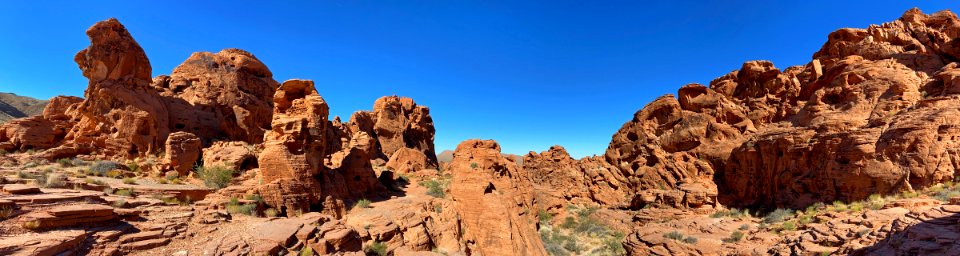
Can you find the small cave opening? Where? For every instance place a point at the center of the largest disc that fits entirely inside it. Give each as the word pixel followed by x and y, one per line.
pixel 249 163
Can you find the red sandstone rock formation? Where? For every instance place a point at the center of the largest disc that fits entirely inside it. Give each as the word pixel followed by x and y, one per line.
pixel 565 180
pixel 183 151
pixel 292 161
pixel 396 123
pixel 127 114
pixel 494 200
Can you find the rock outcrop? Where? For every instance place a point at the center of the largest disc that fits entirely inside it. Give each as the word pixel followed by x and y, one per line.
pixel 235 155
pixel 292 161
pixel 126 114
pixel 494 200
pixel 875 114
pixel 565 180
pixel 183 151
pixel 396 123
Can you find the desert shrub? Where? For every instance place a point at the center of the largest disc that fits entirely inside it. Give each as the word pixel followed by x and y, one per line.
pixel 24 175
pixel 744 227
pixel 163 181
pixel 376 248
pixel 30 165
pixel 270 212
pixel 306 251
pixel 544 217
pixel 78 162
pixel 119 203
pixel 473 165
pixel 133 166
pixel 675 235
pixel 100 168
pixel 856 206
pixel 108 191
pixel 403 180
pixel 6 211
pixel 435 188
pixel 171 176
pixel 690 240
pixel 3 152
pixel 124 192
pixel 736 236
pixel 65 162
pixel 129 181
pixel 805 219
pixel 789 225
pixel 732 213
pixel 363 203
pixel 257 198
pixel 910 194
pixel 235 207
pixel 30 224
pixel 876 202
pixel 838 206
pixel 216 177
pixel 777 215
pixel 56 180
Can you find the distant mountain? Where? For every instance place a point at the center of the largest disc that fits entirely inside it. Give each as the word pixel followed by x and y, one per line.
pixel 14 106
pixel 447 155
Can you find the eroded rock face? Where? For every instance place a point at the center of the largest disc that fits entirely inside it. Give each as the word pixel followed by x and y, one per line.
pixel 396 123
pixel 293 150
pixel 220 95
pixel 126 114
pixel 122 115
pixel 235 155
pixel 493 199
pixel 588 180
pixel 292 161
pixel 879 120
pixel 183 151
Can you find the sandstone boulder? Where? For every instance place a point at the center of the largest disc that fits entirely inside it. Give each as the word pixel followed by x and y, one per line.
pixel 183 151
pixel 235 155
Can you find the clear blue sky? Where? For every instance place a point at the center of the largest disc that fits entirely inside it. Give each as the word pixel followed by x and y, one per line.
pixel 529 75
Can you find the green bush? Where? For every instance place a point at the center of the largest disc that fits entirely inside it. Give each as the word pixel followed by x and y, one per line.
pixel 306 251
pixel 736 236
pixel 133 166
pixel 100 168
pixel 216 177
pixel 129 181
pixel 732 213
pixel 690 240
pixel 789 225
pixel 124 192
pixel 56 180
pixel 235 207
pixel 65 162
pixel 270 212
pixel 363 203
pixel 675 235
pixel 544 217
pixel 777 215
pixel 376 248
pixel 473 165
pixel 255 198
pixel 435 188
pixel 94 181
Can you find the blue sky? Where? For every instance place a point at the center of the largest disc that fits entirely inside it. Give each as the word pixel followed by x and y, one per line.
pixel 529 75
